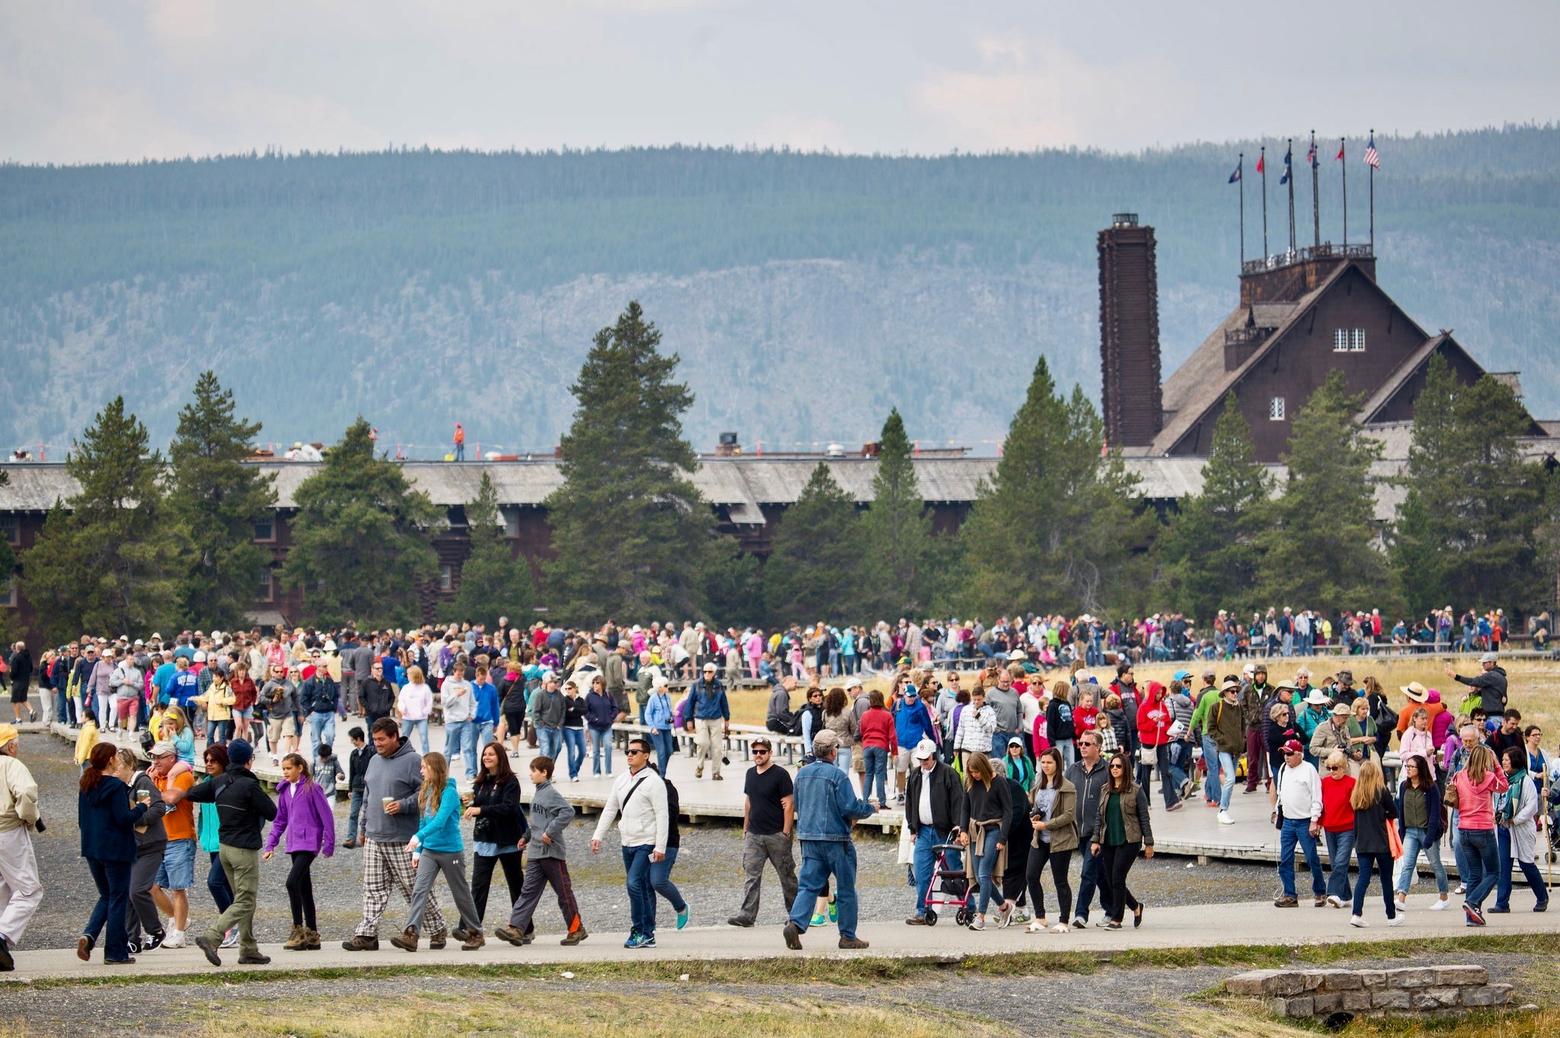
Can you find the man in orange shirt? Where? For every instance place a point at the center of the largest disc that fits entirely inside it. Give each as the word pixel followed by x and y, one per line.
pixel 177 873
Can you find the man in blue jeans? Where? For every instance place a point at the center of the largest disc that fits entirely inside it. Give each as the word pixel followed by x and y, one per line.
pixel 1297 809
pixel 934 799
pixel 639 796
pixel 1088 774
pixel 826 808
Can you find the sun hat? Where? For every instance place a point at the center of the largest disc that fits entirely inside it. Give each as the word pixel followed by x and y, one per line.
pixel 1316 698
pixel 1415 691
pixel 1341 708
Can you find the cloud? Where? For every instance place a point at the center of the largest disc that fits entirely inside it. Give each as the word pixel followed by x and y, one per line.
pixel 182 22
pixel 1030 93
pixel 803 132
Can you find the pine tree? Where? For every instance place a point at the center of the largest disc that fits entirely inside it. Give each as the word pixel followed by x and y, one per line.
pixel 1211 555
pixel 108 559
pixel 896 529
pixel 217 498
pixel 1057 526
pixel 1426 519
pixel 629 529
pixel 814 566
pixel 1321 550
pixel 360 539
pixel 493 582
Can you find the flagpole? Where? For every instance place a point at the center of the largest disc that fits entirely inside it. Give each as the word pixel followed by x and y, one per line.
pixel 1316 205
pixel 1344 162
pixel 1372 180
pixel 1241 179
pixel 1289 171
pixel 1262 165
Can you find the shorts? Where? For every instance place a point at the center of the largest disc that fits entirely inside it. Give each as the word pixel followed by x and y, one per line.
pixel 514 724
pixel 278 727
pixel 177 871
pixel 18 694
pixel 902 762
pixel 858 760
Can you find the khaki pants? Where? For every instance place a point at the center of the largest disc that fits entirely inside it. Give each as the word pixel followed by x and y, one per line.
pixel 710 744
pixel 242 868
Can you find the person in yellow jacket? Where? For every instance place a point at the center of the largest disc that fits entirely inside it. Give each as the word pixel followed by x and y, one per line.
pixel 218 701
pixel 85 740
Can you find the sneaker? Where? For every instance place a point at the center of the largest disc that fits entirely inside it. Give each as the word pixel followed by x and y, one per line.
pixel 84 948
pixel 1355 920
pixel 1038 926
pixel 1542 906
pixel 1439 904
pixel 359 942
pixel 230 939
pixel 1059 928
pixel 1461 889
pixel 1005 916
pixel 819 919
pixel 254 959
pixel 1225 818
pixel 1334 901
pixel 1287 901
pixel 175 939
pixel 1112 925
pixel 793 936
pixel 7 961
pixel 1396 920
pixel 682 918
pixel 916 920
pixel 1175 806
pixel 633 939
pixel 1080 923
pixel 1321 902
pixel 853 943
pixel 834 912
pixel 574 937
pixel 977 923
pixel 1474 916
pixel 208 949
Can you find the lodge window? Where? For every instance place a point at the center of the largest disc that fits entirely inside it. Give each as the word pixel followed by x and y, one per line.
pixel 446 578
pixel 1349 340
pixel 1357 340
pixel 265 530
pixel 511 518
pixel 1276 409
pixel 11 529
pixel 265 590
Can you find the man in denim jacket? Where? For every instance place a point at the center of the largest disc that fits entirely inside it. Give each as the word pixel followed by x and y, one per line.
pixel 826 808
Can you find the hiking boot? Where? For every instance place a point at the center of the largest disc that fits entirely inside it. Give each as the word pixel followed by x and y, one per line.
pixel 360 942
pixel 513 936
pixel 84 948
pixel 1287 901
pixel 349 844
pixel 296 941
pixel 438 939
pixel 574 937
pixel 253 959
pixel 852 943
pixel 208 948
pixel 793 936
pixel 916 920
pixel 311 940
pixel 737 920
pixel 472 941
pixel 7 961
pixel 406 940
pixel 1321 901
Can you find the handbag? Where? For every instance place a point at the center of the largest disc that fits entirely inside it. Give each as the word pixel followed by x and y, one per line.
pixel 1148 755
pixel 1394 842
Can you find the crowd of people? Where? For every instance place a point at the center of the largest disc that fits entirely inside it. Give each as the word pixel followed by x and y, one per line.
pixel 1005 772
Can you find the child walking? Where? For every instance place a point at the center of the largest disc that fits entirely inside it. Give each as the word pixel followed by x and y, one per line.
pixel 303 815
pixel 550 816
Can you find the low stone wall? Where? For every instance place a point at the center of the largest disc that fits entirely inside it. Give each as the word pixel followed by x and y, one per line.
pixel 1323 992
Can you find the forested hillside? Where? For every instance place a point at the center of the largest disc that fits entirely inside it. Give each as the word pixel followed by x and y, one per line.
pixel 806 294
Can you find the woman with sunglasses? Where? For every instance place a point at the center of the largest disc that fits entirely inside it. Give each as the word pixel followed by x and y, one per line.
pixel 1121 830
pixel 1338 826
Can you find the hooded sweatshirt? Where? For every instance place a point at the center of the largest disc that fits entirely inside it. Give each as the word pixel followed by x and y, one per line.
pixel 398 776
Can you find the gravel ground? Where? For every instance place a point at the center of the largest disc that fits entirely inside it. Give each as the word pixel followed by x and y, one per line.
pixel 1110 1001
pixel 707 872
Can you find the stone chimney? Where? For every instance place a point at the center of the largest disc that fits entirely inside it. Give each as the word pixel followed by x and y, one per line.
pixel 1129 333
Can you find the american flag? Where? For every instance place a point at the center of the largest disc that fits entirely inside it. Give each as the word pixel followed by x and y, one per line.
pixel 1310 156
pixel 1372 157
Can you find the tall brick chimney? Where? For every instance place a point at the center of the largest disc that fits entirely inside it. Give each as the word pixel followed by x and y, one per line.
pixel 1129 333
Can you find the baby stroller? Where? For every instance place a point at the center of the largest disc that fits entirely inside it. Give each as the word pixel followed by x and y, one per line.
pixel 949 886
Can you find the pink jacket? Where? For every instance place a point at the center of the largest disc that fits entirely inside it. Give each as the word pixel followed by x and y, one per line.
pixel 1475 804
pixel 1421 743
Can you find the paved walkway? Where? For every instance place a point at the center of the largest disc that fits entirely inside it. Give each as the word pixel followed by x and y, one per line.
pixel 1249 923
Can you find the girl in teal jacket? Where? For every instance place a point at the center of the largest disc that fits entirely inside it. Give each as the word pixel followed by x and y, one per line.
pixel 437 847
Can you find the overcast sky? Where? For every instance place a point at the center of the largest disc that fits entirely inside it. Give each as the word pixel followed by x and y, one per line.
pixel 116 80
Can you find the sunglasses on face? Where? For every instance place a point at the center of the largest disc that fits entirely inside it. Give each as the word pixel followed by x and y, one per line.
pixel 634 753
pixel 1116 767
pixel 760 753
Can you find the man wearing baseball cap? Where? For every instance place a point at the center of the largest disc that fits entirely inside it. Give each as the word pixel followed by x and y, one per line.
pixel 1296 799
pixel 711 715
pixel 1490 683
pixel 176 874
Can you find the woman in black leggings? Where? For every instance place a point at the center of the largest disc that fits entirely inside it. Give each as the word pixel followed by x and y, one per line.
pixel 1053 817
pixel 498 828
pixel 304 815
pixel 1121 830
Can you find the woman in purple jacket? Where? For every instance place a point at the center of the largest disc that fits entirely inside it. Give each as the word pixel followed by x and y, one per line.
pixel 303 813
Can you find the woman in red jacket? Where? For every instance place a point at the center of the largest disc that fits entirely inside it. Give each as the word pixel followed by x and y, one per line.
pixel 1154 718
pixel 878 740
pixel 1338 827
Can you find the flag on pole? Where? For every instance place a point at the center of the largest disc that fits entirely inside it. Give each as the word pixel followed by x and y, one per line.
pixel 1310 156
pixel 1339 157
pixel 1262 162
pixel 1288 166
pixel 1235 176
pixel 1372 157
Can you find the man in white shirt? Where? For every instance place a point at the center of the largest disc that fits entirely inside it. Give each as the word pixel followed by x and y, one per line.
pixel 458 703
pixel 639 796
pixel 1297 811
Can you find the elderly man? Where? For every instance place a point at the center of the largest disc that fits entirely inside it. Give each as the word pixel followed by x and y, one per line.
pixel 711 720
pixel 1334 735
pixel 20 888
pixel 1490 683
pixel 934 802
pixel 176 873
pixel 826 807
pixel 1296 799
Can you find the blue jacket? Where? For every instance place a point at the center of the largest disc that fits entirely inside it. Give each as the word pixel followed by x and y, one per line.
pixel 658 712
pixel 709 701
pixel 912 723
pixel 107 821
pixel 826 803
pixel 440 831
pixel 486 697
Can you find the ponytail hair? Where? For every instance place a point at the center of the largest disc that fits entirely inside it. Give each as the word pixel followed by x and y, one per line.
pixel 97 763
